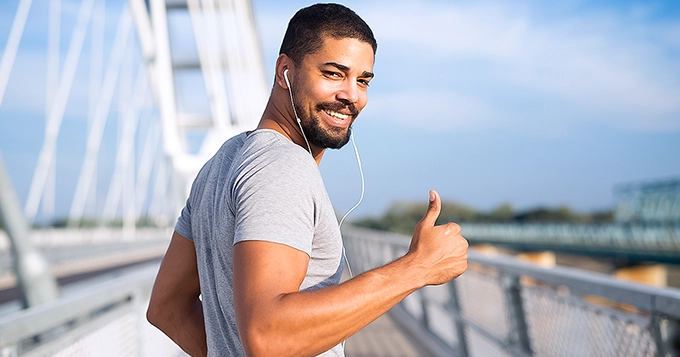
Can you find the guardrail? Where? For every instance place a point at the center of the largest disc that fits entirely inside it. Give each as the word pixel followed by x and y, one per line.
pixel 504 307
pixel 104 318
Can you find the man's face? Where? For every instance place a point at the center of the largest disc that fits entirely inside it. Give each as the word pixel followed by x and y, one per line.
pixel 330 90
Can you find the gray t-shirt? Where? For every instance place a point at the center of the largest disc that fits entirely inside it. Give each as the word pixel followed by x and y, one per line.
pixel 257 187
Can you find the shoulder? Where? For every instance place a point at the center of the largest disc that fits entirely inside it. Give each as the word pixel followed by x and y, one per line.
pixel 270 151
pixel 271 167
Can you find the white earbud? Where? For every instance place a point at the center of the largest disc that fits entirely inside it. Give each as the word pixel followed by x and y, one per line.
pixel 285 77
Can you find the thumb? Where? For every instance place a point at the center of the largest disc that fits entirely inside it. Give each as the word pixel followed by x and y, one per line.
pixel 433 209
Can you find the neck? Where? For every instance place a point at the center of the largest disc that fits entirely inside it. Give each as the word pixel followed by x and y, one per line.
pixel 279 116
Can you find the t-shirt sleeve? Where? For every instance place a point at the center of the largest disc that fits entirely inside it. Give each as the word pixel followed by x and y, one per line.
pixel 273 200
pixel 183 225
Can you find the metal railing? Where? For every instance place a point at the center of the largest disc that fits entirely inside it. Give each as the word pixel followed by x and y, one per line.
pixel 504 307
pixel 105 318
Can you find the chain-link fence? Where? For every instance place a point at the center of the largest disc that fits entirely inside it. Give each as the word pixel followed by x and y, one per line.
pixel 503 307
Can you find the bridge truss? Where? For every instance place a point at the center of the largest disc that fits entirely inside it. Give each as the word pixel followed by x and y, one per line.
pixel 163 84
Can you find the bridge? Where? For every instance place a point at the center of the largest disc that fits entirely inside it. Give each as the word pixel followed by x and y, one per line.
pixel 164 85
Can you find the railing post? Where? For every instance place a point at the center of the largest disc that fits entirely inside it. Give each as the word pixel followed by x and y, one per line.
pixel 666 333
pixel 423 306
pixel 673 337
pixel 454 307
pixel 519 329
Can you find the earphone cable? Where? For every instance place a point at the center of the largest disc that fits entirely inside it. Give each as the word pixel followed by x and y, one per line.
pixel 361 198
pixel 290 92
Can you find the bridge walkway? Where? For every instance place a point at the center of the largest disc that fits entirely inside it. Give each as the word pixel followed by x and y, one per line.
pixel 384 337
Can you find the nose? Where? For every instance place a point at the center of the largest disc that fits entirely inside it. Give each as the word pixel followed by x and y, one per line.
pixel 349 92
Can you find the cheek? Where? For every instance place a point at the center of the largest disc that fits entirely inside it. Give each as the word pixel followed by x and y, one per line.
pixel 363 100
pixel 327 91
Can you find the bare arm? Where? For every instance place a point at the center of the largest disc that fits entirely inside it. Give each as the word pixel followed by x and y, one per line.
pixel 174 307
pixel 275 319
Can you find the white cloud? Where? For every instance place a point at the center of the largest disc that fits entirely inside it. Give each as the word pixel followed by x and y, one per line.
pixel 596 66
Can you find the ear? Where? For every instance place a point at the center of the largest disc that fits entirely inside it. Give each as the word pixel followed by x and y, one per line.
pixel 283 62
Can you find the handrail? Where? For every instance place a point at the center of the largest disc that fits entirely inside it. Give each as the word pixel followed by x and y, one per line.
pixel 46 324
pixel 504 307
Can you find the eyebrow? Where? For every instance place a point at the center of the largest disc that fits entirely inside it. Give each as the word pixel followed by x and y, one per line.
pixel 342 67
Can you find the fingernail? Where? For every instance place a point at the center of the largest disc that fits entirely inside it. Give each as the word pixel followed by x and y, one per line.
pixel 432 196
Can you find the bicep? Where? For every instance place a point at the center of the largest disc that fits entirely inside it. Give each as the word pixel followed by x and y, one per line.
pixel 264 272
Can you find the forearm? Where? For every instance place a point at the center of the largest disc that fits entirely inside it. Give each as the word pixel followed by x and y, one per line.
pixel 184 326
pixel 174 306
pixel 308 323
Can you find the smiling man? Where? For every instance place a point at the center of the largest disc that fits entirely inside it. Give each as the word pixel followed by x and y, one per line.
pixel 258 239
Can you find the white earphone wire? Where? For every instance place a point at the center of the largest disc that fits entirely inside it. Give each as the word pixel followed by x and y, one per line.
pixel 361 198
pixel 299 122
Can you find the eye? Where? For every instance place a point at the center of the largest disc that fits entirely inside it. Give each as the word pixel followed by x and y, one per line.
pixel 364 82
pixel 332 74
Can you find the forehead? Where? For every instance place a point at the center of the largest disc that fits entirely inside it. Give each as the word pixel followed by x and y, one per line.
pixel 350 52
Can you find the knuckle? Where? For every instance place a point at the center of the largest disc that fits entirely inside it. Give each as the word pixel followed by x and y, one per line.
pixel 453 227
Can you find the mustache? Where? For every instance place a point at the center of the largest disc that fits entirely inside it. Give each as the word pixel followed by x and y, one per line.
pixel 337 107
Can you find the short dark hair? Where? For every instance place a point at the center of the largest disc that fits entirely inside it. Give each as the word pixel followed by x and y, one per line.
pixel 308 27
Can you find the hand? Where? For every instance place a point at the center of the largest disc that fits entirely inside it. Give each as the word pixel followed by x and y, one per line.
pixel 441 250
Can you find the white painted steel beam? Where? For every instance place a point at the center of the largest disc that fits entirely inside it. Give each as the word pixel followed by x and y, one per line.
pixel 149 153
pixel 35 279
pixel 145 34
pixel 164 82
pixel 47 153
pixel 204 22
pixel 101 115
pixel 10 52
pixel 52 81
pixel 125 152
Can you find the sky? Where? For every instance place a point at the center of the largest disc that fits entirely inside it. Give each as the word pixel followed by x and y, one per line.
pixel 524 102
pixel 530 103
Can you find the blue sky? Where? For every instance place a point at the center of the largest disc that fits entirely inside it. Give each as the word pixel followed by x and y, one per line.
pixel 524 102
pixel 489 102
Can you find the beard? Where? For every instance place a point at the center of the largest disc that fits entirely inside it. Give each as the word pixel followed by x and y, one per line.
pixel 327 138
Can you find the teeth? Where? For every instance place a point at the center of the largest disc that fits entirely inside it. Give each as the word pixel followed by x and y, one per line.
pixel 337 115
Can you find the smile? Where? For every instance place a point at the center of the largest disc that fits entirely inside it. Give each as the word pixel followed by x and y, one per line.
pixel 337 115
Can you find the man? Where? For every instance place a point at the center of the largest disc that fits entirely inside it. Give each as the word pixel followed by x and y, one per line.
pixel 258 238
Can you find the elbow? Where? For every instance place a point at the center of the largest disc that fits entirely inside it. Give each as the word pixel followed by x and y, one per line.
pixel 156 314
pixel 254 344
pixel 153 315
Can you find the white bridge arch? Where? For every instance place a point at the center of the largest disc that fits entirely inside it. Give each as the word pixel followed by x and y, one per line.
pixel 179 77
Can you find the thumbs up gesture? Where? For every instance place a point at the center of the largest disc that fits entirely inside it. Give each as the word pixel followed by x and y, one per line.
pixel 441 250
